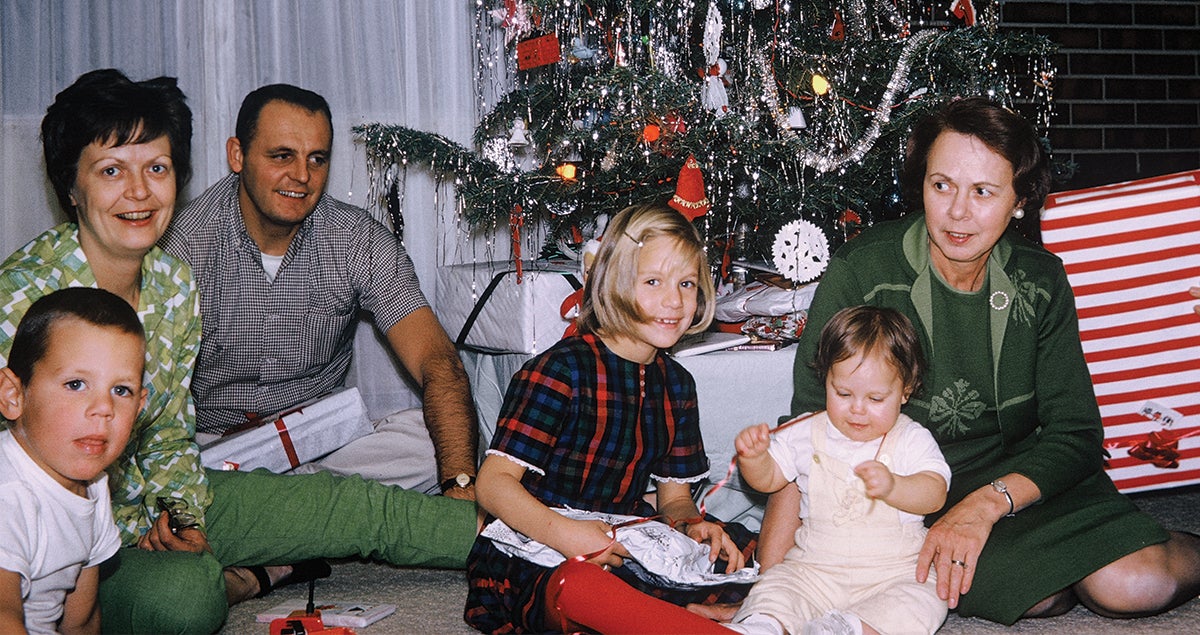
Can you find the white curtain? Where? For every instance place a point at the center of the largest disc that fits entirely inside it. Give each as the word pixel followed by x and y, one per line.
pixel 407 62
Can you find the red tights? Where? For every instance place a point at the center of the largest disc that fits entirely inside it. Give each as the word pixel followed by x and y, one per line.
pixel 581 594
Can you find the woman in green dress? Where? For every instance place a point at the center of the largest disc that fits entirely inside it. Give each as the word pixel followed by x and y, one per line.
pixel 1032 524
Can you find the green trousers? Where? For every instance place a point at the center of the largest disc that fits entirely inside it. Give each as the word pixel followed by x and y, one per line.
pixel 261 518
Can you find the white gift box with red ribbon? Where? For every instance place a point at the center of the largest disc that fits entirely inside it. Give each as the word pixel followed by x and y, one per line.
pixel 501 308
pixel 1132 251
pixel 283 441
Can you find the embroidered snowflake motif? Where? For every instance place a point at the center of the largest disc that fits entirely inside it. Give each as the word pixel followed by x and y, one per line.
pixel 955 408
pixel 1027 296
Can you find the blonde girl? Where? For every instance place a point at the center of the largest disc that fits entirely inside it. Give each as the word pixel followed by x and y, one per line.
pixel 589 424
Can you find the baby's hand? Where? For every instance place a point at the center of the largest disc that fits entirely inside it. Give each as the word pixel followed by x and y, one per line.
pixel 753 441
pixel 877 478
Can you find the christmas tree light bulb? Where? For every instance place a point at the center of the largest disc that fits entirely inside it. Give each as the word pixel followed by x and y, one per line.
pixel 820 85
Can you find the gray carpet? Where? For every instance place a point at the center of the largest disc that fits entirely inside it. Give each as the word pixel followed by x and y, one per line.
pixel 430 602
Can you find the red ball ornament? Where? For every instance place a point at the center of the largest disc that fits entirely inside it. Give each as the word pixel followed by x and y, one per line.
pixel 651 133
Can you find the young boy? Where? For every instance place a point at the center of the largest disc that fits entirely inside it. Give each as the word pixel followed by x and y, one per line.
pixel 72 389
pixel 867 474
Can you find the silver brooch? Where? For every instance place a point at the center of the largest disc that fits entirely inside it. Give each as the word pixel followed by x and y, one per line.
pixel 999 300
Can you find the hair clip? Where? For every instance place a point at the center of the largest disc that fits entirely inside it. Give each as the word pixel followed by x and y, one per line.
pixel 635 241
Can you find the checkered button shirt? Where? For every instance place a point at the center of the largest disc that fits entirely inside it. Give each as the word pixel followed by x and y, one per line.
pixel 269 345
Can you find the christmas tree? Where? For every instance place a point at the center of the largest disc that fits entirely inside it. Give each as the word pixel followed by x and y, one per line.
pixel 796 113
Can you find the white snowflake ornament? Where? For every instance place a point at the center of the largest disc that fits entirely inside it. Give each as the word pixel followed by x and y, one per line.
pixel 801 251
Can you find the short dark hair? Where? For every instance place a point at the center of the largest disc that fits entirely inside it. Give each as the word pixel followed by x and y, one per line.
pixel 1003 131
pixel 865 329
pixel 94 306
pixel 104 105
pixel 252 105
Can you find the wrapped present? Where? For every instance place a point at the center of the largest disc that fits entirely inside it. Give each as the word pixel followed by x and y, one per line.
pixel 1132 251
pixel 282 441
pixel 486 306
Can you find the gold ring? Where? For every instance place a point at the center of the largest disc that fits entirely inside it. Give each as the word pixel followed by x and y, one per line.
pixel 959 563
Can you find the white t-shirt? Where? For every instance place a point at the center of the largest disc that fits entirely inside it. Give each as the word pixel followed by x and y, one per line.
pixel 915 451
pixel 48 534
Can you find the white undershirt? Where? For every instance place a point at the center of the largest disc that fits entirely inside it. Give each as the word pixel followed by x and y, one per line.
pixel 271 265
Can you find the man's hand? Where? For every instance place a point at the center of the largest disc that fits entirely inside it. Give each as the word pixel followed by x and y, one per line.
pixel 161 538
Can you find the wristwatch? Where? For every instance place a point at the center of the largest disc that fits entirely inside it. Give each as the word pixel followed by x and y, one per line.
pixel 1000 487
pixel 463 480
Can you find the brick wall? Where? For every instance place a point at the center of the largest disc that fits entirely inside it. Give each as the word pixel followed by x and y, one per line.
pixel 1127 96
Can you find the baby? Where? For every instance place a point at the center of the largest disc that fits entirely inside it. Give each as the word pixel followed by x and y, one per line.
pixel 867 474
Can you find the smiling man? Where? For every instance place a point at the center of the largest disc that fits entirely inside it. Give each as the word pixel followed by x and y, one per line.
pixel 284 270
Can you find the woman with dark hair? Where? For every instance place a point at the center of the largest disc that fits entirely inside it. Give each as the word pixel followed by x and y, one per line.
pixel 1032 523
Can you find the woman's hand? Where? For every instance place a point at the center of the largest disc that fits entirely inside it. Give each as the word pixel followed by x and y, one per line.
pixel 719 543
pixel 161 538
pixel 953 545
pixel 1195 291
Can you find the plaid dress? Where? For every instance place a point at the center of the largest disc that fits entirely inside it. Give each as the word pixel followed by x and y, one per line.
pixel 592 429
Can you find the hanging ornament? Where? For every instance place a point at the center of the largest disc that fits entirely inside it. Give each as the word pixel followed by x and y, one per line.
pixel 651 133
pixel 690 199
pixel 498 151
pixel 851 224
pixel 964 10
pixel 609 160
pixel 712 93
pixel 801 251
pixel 539 51
pixel 520 134
pixel 760 4
pixel 674 124
pixel 795 118
pixel 515 18
pixel 837 32
pixel 580 51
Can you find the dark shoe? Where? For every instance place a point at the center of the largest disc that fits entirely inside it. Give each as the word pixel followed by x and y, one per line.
pixel 305 571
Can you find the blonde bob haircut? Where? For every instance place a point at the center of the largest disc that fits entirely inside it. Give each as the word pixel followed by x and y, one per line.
pixel 609 297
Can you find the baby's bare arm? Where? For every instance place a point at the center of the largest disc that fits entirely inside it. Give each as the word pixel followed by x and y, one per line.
pixel 758 469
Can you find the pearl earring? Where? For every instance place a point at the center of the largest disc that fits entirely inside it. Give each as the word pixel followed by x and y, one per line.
pixel 1018 213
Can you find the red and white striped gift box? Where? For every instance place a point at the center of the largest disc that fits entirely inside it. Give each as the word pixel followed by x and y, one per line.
pixel 1132 251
